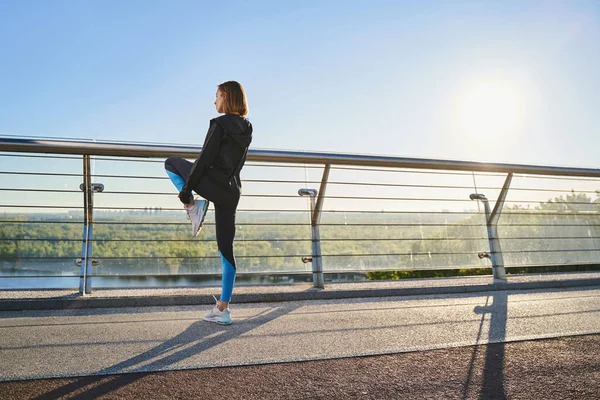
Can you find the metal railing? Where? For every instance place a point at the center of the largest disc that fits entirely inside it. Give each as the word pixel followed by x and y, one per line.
pixel 360 208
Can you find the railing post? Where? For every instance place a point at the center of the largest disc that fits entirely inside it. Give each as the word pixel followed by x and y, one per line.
pixel 85 281
pixel 491 219
pixel 316 205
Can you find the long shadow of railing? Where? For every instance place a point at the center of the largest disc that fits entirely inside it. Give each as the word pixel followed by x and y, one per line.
pixel 492 386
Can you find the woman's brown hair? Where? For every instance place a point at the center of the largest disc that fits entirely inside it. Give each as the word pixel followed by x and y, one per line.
pixel 235 98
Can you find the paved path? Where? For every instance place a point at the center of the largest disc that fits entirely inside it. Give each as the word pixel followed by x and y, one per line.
pixel 37 344
pixel 566 368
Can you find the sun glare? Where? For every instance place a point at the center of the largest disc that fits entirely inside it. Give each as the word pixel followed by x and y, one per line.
pixel 490 109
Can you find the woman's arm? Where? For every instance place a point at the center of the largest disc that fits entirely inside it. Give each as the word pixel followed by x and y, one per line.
pixel 209 152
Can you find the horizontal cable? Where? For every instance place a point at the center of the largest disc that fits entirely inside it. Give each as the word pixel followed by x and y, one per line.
pixel 38 173
pixel 125 208
pixel 299 182
pixel 553 202
pixel 39 222
pixel 239 273
pixel 410 171
pixel 458 253
pixel 237 257
pixel 239 210
pixel 40 258
pixel 246 256
pixel 175 194
pixel 170 209
pixel 149 223
pixel 479 189
pixel 558 178
pixel 452 253
pixel 16 239
pixel 504 212
pixel 540 190
pixel 290 224
pixel 326 197
pixel 550 238
pixel 206 274
pixel 581 214
pixel 477 174
pixel 41 276
pixel 23 155
pixel 96 257
pixel 448 199
pixel 148 240
pixel 43 190
pixel 164 209
pixel 118 159
pixel 129 176
pixel 13 239
pixel 452 238
pixel 548 251
pixel 572 214
pixel 392 269
pixel 401 212
pixel 330 197
pixel 438 224
pixel 30 206
pixel 280 196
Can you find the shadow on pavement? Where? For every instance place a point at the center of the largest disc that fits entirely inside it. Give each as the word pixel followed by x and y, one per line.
pixel 493 369
pixel 198 337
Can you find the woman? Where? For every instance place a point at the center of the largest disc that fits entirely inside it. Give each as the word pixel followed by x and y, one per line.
pixel 216 177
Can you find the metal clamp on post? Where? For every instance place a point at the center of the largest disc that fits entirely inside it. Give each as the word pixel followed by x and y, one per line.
pixel 95 262
pixel 96 187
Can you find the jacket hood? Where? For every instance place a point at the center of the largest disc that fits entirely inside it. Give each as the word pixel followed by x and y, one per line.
pixel 237 127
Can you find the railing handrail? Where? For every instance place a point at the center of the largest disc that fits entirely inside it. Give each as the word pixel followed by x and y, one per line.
pixel 106 148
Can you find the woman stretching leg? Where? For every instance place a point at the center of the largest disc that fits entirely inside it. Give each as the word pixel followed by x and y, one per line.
pixel 215 176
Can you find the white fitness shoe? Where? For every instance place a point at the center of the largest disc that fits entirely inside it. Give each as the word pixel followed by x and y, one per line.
pixel 220 317
pixel 196 214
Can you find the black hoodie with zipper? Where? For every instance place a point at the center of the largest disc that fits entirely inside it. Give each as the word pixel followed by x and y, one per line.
pixel 223 154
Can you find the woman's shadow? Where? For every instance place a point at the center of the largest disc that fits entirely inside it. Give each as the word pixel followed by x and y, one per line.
pixel 198 337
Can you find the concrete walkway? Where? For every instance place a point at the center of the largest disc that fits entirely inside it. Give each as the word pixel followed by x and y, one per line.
pixel 61 343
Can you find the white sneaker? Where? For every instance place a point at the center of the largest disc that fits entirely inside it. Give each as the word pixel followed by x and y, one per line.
pixel 196 214
pixel 220 317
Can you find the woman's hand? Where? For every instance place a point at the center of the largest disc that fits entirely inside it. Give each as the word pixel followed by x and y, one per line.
pixel 185 197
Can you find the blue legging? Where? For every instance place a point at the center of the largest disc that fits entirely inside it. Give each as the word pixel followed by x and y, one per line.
pixel 225 204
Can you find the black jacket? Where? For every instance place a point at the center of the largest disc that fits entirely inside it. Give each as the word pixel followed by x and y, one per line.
pixel 223 153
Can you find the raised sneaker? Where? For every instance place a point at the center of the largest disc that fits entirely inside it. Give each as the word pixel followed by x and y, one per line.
pixel 196 214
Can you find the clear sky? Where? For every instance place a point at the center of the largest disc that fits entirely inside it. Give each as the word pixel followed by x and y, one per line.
pixel 506 81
